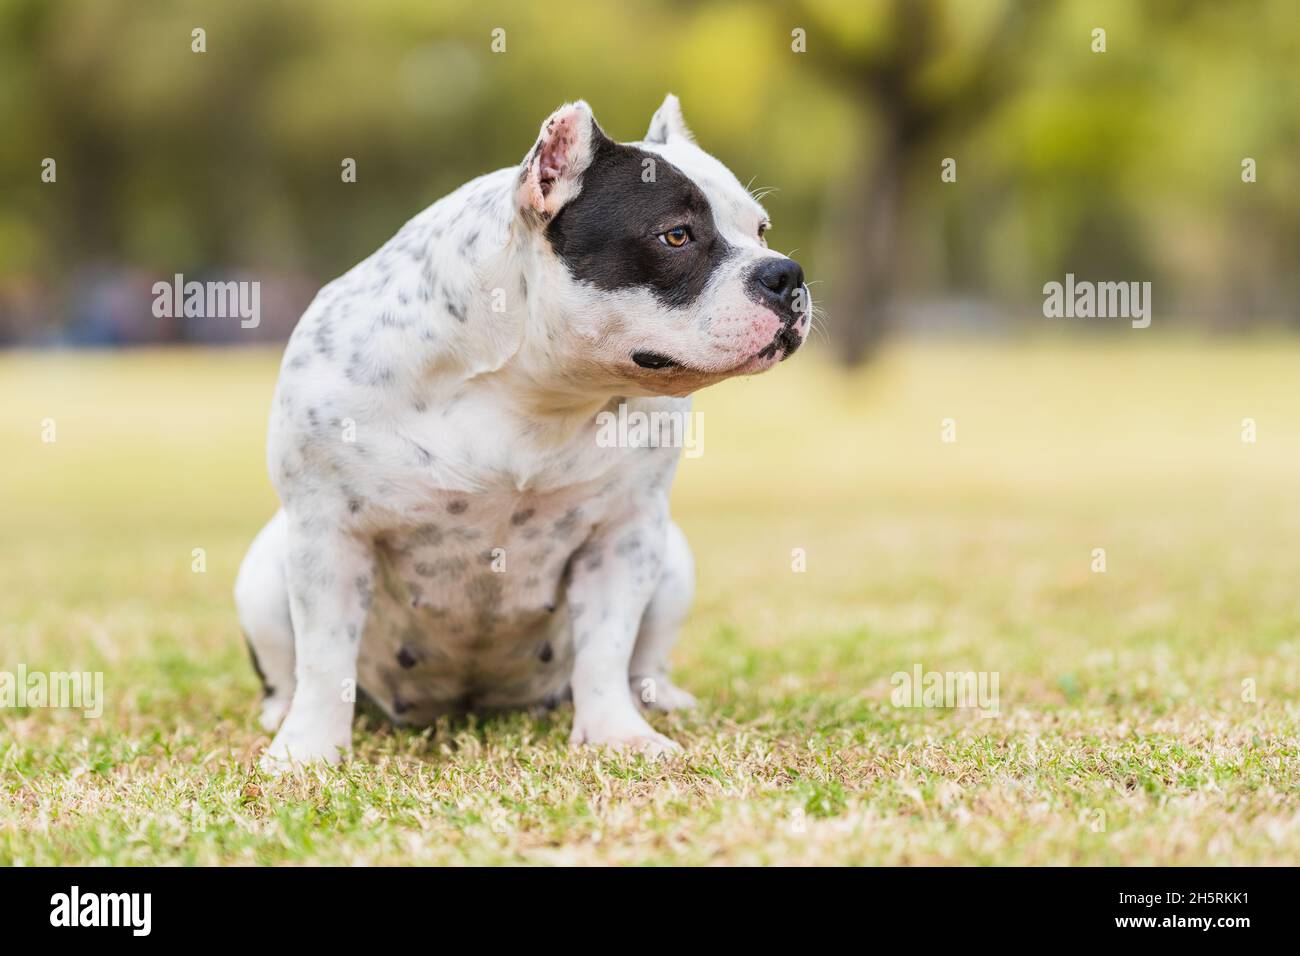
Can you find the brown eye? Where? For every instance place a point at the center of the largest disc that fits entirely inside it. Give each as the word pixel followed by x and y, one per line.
pixel 675 237
pixel 763 227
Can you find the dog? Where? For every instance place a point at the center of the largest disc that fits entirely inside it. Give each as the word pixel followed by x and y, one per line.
pixel 452 536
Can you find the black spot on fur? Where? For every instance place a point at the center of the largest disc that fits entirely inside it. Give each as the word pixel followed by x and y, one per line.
pixel 425 534
pixel 324 339
pixel 608 235
pixel 267 689
pixel 566 525
pixel 365 591
pixel 442 567
pixel 457 507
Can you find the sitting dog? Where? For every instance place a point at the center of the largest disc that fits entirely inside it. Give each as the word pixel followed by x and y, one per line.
pixel 453 536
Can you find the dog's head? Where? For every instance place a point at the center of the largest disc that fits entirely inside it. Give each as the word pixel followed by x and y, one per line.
pixel 654 271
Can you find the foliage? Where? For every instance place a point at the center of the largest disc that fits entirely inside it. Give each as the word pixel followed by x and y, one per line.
pixel 1122 165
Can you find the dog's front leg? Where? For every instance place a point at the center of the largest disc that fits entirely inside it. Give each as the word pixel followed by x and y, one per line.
pixel 330 576
pixel 612 580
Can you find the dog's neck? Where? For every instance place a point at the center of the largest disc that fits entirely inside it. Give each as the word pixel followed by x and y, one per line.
pixel 526 357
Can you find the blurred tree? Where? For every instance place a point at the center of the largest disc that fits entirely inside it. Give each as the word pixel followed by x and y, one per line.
pixel 918 68
pixel 1125 165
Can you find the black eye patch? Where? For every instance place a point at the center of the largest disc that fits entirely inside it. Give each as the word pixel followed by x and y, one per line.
pixel 608 235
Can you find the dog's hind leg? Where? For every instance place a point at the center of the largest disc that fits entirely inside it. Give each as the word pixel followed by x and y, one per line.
pixel 660 625
pixel 262 603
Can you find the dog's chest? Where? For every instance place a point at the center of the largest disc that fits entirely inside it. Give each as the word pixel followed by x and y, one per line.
pixel 468 611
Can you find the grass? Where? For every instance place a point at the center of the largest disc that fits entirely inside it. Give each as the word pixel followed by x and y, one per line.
pixel 1125 736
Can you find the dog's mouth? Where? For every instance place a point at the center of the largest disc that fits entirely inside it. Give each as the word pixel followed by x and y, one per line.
pixel 786 342
pixel 654 360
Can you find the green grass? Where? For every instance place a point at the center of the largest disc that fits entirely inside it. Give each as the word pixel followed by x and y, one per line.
pixel 1123 737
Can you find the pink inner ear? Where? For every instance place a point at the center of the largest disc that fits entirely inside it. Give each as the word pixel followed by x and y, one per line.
pixel 553 153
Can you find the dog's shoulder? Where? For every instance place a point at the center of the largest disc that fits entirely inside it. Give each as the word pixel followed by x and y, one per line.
pixel 423 297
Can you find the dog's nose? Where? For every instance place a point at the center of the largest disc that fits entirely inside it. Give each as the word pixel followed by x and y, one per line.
pixel 777 281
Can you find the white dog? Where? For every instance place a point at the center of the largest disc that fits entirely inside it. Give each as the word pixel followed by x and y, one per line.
pixel 453 537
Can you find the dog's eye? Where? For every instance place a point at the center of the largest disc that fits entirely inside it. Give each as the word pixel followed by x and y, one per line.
pixel 676 238
pixel 763 227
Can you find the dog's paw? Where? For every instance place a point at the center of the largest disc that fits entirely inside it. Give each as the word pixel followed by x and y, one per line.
pixel 630 735
pixel 288 750
pixel 273 711
pixel 659 693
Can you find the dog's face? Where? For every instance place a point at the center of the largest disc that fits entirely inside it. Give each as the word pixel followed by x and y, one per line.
pixel 653 260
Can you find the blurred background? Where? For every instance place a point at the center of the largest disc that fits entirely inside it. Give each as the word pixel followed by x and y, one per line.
pixel 226 164
pixel 949 461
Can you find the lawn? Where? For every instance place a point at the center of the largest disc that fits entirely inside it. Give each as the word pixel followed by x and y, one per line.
pixel 1147 713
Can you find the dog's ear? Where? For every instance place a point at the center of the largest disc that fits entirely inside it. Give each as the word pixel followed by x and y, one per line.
pixel 667 123
pixel 551 174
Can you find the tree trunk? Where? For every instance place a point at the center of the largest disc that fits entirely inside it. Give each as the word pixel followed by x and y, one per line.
pixel 866 245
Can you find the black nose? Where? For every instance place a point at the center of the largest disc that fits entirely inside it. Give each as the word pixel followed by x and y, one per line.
pixel 777 281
